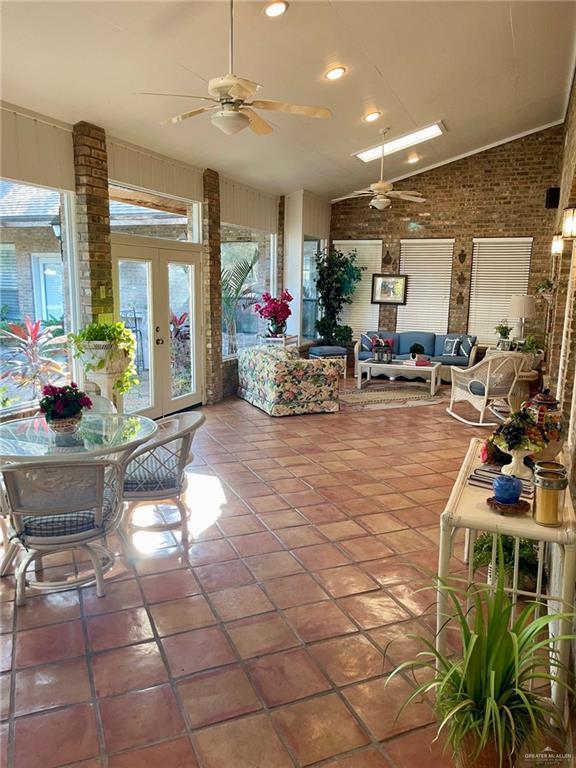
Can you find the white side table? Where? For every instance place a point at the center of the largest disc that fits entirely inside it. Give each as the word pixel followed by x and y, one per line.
pixel 290 340
pixel 467 508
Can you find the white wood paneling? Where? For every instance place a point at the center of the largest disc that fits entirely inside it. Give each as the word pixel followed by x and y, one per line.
pixel 248 207
pixel 362 315
pixel 428 264
pixel 293 255
pixel 316 213
pixel 35 150
pixel 136 167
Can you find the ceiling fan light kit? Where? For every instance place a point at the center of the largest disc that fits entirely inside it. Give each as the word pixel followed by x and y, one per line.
pixel 230 95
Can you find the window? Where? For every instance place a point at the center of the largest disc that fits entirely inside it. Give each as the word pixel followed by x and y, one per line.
pixel 35 286
pixel 135 212
pixel 309 295
pixel 500 268
pixel 247 258
pixel 428 264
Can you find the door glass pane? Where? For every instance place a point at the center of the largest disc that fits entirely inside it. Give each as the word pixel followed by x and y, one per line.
pixel 134 290
pixel 181 303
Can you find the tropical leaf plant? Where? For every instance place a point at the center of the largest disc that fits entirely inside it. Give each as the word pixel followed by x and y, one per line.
pixel 30 353
pixel 237 292
pixel 487 699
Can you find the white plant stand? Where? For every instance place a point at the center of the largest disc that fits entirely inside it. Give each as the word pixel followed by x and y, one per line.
pixel 291 340
pixel 467 508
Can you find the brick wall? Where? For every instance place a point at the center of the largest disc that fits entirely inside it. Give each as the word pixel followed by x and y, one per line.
pixel 92 221
pixel 496 193
pixel 211 286
pixel 280 246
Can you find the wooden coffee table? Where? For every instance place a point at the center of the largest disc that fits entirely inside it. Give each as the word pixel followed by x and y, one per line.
pixel 397 368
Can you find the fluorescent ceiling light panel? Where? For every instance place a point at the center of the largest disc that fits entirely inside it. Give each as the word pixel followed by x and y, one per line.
pixel 402 142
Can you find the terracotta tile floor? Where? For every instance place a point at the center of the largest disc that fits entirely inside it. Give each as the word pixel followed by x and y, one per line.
pixel 263 645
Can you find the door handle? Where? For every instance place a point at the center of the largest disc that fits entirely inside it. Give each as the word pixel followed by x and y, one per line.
pixel 159 341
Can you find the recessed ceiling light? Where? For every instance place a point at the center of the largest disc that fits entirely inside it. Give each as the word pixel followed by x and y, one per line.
pixel 276 9
pixel 413 157
pixel 371 116
pixel 335 73
pixel 402 142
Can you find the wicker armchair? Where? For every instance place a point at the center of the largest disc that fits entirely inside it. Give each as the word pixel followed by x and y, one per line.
pixel 156 472
pixel 492 379
pixel 55 507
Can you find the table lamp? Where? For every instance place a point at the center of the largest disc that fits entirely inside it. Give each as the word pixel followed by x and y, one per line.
pixel 523 308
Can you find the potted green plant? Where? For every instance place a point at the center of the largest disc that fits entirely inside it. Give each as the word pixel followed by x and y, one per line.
pixel 545 289
pixel 107 348
pixel 337 277
pixel 527 559
pixel 486 697
pixel 503 329
pixel 416 351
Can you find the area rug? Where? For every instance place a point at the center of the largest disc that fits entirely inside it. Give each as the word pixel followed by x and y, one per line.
pixel 390 395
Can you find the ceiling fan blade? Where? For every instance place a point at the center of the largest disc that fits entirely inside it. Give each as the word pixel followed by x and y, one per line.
pixel 414 197
pixel 179 95
pixel 186 115
pixel 294 109
pixel 354 195
pixel 257 124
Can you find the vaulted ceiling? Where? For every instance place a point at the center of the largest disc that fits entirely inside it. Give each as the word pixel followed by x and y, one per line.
pixel 488 70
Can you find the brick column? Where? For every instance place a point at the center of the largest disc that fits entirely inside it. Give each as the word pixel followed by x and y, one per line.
pixel 92 222
pixel 460 287
pixel 280 249
pixel 211 285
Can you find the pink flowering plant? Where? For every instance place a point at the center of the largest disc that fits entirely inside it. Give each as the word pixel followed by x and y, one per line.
pixel 63 402
pixel 275 310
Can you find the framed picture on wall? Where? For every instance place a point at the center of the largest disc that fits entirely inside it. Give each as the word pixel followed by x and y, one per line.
pixel 389 289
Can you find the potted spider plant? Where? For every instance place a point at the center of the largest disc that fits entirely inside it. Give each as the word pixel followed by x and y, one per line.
pixel 486 698
pixel 107 348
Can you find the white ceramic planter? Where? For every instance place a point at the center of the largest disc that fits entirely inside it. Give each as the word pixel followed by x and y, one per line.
pixel 517 468
pixel 103 357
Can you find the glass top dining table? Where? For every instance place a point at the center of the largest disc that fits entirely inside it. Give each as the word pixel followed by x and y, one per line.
pixel 99 434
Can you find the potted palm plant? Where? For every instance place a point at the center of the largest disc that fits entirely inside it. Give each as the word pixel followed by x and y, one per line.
pixel 237 291
pixel 487 699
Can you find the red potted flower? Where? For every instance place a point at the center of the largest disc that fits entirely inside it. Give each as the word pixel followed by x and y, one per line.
pixel 276 311
pixel 62 407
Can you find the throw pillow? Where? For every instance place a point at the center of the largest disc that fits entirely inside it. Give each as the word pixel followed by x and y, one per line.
pixel 451 347
pixel 466 345
pixel 366 342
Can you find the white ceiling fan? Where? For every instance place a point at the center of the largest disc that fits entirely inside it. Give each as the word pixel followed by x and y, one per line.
pixel 382 192
pixel 230 95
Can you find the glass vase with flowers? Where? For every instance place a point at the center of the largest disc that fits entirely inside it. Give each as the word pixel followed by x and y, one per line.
pixel 276 311
pixel 62 407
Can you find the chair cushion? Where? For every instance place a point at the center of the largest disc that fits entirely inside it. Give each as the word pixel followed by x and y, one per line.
pixel 153 472
pixel 64 525
pixel 451 360
pixel 407 338
pixel 451 347
pixel 477 388
pixel 363 355
pixel 327 351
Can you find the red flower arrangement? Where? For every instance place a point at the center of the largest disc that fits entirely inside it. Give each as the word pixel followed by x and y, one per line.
pixel 275 310
pixel 63 402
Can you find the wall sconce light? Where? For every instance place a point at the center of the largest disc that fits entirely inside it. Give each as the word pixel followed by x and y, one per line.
pixel 569 223
pixel 557 245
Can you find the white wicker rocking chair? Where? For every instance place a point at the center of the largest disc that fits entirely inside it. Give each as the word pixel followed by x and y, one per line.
pixel 491 379
pixel 55 507
pixel 155 472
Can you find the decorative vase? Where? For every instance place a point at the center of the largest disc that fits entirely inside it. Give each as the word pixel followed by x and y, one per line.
pixel 507 489
pixel 276 329
pixel 517 468
pixel 66 425
pixel 379 354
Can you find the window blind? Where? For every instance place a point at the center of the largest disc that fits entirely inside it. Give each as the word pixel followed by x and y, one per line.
pixel 361 315
pixel 9 301
pixel 500 269
pixel 428 264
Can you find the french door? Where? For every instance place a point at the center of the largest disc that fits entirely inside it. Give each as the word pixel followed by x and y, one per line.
pixel 157 285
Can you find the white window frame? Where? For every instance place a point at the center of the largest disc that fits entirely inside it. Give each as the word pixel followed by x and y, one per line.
pixel 38 284
pixel 505 271
pixel 428 291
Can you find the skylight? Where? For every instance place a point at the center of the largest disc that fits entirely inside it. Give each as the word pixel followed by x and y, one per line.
pixel 402 142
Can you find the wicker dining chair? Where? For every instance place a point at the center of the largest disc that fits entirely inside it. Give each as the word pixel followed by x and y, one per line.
pixel 61 506
pixel 491 379
pixel 156 472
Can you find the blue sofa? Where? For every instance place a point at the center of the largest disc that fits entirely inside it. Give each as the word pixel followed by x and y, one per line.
pixel 433 344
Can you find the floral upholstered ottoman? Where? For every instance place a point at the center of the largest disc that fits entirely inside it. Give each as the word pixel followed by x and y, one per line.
pixel 281 383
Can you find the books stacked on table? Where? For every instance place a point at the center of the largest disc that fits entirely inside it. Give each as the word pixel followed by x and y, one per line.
pixel 484 476
pixel 417 363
